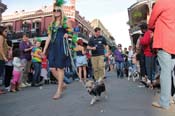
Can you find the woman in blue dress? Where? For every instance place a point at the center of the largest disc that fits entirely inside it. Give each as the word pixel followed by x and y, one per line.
pixel 56 49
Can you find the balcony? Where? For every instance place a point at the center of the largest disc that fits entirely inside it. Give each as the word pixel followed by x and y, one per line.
pixel 84 36
pixel 139 12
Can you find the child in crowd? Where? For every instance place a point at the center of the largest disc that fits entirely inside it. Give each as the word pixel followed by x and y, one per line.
pixel 17 70
pixel 44 72
pixel 36 61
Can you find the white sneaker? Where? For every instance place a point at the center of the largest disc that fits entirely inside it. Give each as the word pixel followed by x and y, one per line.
pixel 8 88
pixel 27 84
pixel 23 85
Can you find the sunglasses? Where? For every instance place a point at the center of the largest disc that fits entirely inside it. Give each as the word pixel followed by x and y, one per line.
pixel 5 31
pixel 56 10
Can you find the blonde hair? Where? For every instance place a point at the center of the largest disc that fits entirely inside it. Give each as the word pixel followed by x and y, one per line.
pixel 62 15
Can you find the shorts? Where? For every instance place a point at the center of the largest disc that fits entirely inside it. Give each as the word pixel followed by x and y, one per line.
pixel 81 61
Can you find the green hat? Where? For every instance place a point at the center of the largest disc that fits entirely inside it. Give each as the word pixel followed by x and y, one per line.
pixel 38 39
pixel 60 2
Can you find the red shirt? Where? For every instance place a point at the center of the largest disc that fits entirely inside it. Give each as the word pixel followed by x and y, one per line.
pixel 44 63
pixel 145 42
pixel 88 55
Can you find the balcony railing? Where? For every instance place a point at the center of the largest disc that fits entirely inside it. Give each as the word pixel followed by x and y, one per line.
pixel 83 36
pixel 31 34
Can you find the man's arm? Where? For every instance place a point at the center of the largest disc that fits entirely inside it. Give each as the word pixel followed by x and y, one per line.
pixel 106 46
pixel 22 48
pixel 91 48
pixel 156 12
pixel 90 45
pixel 28 49
pixel 145 40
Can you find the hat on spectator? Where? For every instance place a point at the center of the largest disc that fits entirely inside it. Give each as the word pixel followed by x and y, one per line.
pixel 38 39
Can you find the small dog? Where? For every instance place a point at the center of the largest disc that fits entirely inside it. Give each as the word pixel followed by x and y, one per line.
pixel 133 74
pixel 95 89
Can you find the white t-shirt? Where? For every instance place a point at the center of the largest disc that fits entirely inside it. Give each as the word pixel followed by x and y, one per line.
pixel 130 54
pixel 17 65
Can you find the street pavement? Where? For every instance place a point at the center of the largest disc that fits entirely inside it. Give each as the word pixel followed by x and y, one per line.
pixel 125 98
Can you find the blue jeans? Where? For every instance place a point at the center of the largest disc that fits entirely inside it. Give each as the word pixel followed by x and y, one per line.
pixel 150 64
pixel 130 63
pixel 119 67
pixel 37 72
pixel 165 62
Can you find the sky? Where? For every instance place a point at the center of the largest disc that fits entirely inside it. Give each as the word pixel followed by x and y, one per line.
pixel 112 13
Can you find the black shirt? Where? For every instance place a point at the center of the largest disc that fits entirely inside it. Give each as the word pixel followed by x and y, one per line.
pixel 79 53
pixel 99 43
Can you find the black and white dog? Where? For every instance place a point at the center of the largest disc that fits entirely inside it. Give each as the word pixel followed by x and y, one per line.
pixel 95 89
pixel 133 74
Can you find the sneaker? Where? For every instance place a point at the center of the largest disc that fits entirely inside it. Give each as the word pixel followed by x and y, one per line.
pixel 28 84
pixel 23 85
pixel 157 105
pixel 7 88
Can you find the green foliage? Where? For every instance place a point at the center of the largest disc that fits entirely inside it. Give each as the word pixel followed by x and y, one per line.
pixel 137 14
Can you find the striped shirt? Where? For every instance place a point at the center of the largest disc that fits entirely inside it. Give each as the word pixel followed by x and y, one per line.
pixel 36 52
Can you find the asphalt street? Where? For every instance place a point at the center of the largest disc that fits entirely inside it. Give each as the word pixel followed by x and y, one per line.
pixel 125 98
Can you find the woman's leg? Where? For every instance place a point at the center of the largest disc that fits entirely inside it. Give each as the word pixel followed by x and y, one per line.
pixel 54 72
pixel 59 75
pixel 80 73
pixel 84 73
pixel 111 67
pixel 61 83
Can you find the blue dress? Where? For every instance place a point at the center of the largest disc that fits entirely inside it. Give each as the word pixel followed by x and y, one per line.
pixel 56 55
